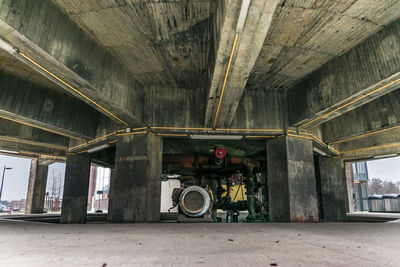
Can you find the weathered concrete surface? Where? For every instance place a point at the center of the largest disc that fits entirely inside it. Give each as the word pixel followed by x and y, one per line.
pixel 349 183
pixel 153 62
pixel 45 108
pixel 305 35
pixel 136 190
pixel 36 187
pixel 23 132
pixel 40 30
pixel 373 124
pixel 162 43
pixel 379 114
pixel 291 180
pixel 76 187
pixel 172 106
pixel 362 70
pixel 18 137
pixel 328 244
pixel 247 50
pixel 333 188
pixel 261 109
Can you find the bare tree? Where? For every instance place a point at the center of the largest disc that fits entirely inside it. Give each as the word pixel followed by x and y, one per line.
pixel 377 186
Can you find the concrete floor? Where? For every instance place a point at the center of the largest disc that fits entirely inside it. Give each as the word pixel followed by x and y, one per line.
pixel 328 244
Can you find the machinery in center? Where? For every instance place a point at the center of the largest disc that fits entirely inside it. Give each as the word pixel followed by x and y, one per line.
pixel 217 187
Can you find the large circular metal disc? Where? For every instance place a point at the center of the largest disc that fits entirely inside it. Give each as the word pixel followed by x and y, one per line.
pixel 194 201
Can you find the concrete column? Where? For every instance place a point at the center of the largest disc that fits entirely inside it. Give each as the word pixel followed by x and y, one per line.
pixel 333 189
pixel 136 187
pixel 36 187
pixel 291 180
pixel 349 185
pixel 110 193
pixel 76 187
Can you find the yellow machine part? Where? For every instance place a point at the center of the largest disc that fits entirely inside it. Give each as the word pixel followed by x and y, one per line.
pixel 234 189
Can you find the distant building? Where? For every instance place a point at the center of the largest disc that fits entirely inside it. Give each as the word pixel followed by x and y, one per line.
pixel 52 203
pixel 17 204
pixel 359 177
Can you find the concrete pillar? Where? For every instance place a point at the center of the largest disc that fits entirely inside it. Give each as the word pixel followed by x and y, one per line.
pixel 76 186
pixel 333 189
pixel 92 187
pixel 110 193
pixel 349 182
pixel 36 187
pixel 135 192
pixel 291 180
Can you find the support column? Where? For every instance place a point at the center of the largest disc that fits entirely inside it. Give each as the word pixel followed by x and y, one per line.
pixel 36 187
pixel 76 187
pixel 111 192
pixel 136 187
pixel 291 180
pixel 349 185
pixel 333 189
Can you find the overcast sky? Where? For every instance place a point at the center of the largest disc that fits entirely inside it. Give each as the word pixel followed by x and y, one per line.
pixel 386 169
pixel 16 180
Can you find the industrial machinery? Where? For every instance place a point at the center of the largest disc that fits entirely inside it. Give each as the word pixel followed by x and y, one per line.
pixel 216 184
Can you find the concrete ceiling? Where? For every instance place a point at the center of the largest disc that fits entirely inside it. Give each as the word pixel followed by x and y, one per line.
pixel 167 43
pixel 164 43
pixel 306 34
pixel 136 63
pixel 17 68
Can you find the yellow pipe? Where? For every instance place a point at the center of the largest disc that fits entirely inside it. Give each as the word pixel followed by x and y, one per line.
pixel 104 137
pixel 33 143
pixel 250 130
pixel 71 87
pixel 133 133
pixel 28 153
pixel 178 128
pixel 259 136
pixel 182 135
pixel 300 136
pixel 225 80
pixel 300 132
pixel 351 102
pixel 364 135
pixel 303 135
pixel 41 127
pixel 101 137
pixel 370 148
pixel 78 146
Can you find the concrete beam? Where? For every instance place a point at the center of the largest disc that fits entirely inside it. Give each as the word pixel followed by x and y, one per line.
pixel 42 32
pixel 366 72
pixel 29 141
pixel 291 180
pixel 259 109
pixel 76 188
pixel 247 50
pixel 13 130
pixel 380 114
pixel 46 109
pixel 36 187
pixel 369 130
pixel 171 106
pixel 15 146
